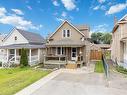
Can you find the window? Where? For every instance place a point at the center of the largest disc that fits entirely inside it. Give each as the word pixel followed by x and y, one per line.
pixel 66 33
pixel 15 38
pixel 60 50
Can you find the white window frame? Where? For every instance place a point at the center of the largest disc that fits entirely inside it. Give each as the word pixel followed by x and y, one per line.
pixel 61 50
pixel 66 33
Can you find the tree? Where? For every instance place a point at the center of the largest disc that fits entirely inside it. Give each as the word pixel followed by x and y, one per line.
pixel 107 37
pixel 24 58
pixel 96 37
pixel 99 37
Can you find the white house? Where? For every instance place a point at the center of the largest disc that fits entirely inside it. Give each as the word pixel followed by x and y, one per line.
pixel 16 40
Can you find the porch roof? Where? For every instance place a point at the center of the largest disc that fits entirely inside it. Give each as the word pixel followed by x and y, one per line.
pixel 66 43
pixel 19 46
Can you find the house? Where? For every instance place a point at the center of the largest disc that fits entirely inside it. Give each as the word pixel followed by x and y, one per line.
pixel 119 42
pixel 18 39
pixel 68 45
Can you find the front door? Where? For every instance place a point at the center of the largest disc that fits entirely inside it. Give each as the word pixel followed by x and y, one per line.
pixel 73 53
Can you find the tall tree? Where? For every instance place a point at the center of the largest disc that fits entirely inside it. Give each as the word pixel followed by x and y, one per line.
pixel 99 37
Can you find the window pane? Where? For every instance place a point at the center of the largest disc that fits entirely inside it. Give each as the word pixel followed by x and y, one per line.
pixel 68 33
pixel 64 33
pixel 58 50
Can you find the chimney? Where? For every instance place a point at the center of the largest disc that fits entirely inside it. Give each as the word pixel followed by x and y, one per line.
pixel 115 20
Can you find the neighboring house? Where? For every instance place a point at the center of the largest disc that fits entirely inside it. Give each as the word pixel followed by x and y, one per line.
pixel 68 45
pixel 18 39
pixel 119 42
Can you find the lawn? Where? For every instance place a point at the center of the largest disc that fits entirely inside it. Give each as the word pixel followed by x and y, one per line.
pixel 13 80
pixel 99 67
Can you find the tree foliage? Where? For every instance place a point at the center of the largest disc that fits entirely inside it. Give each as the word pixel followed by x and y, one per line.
pixel 24 58
pixel 99 37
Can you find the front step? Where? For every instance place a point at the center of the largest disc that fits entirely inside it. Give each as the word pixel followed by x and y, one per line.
pixel 71 66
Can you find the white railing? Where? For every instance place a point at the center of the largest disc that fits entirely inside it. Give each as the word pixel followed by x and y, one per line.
pixel 34 60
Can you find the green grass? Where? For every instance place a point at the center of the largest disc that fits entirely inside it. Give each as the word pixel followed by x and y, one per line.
pixel 13 80
pixel 99 67
pixel 121 69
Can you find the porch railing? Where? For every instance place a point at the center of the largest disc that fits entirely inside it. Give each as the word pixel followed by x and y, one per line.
pixel 55 58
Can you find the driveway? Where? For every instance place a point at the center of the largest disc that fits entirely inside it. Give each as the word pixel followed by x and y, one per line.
pixel 78 84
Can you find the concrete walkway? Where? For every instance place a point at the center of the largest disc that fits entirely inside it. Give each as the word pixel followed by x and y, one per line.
pixel 73 82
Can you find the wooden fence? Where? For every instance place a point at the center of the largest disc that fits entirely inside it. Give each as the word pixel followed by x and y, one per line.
pixel 95 55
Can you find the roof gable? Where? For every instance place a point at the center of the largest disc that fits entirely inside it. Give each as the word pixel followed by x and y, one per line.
pixel 70 25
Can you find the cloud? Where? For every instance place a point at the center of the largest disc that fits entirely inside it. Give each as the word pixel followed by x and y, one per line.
pixel 101 1
pixel 16 20
pixel 29 7
pixel 59 19
pixel 64 14
pixel 69 4
pixel 96 8
pixel 2 11
pixel 55 3
pixel 100 28
pixel 116 8
pixel 17 11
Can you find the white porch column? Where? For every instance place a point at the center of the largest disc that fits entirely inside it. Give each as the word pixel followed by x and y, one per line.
pixel 30 55
pixel 15 55
pixel 38 55
pixel 7 54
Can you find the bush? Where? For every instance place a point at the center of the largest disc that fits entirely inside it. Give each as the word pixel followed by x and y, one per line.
pixel 0 64
pixel 24 58
pixel 121 69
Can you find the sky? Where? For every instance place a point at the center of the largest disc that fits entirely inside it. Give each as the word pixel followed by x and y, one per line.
pixel 44 16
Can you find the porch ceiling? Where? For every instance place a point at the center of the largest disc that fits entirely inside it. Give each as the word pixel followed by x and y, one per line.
pixel 66 43
pixel 19 46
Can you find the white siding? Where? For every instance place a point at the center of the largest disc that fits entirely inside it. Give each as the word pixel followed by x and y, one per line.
pixel 11 38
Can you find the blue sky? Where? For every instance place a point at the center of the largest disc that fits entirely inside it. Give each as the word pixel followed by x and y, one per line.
pixel 44 16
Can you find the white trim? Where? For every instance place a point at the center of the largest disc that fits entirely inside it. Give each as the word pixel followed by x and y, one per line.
pixel 71 53
pixel 62 25
pixel 29 55
pixel 15 55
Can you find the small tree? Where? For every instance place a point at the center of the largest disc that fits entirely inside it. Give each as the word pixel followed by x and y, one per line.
pixel 24 58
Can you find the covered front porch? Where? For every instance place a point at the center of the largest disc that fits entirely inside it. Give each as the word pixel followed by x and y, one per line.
pixel 69 57
pixel 11 54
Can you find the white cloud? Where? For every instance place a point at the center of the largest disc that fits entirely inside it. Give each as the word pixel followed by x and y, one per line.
pixel 96 8
pixel 100 28
pixel 64 14
pixel 16 20
pixel 55 3
pixel 116 8
pixel 59 19
pixel 2 11
pixel 101 1
pixel 69 4
pixel 17 11
pixel 29 7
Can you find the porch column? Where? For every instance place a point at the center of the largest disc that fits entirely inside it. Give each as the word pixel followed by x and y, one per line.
pixel 39 55
pixel 7 54
pixel 30 55
pixel 15 55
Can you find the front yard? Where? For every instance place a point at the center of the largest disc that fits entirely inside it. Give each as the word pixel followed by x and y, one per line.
pixel 13 80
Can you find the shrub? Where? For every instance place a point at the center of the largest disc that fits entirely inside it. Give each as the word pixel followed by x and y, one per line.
pixel 24 58
pixel 0 64
pixel 121 69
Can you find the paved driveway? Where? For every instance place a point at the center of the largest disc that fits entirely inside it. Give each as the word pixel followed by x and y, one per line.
pixel 78 84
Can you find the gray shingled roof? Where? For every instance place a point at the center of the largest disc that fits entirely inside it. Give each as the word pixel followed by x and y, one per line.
pixel 19 46
pixel 66 42
pixel 32 37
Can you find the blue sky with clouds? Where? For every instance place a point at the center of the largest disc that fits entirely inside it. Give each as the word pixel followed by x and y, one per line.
pixel 44 16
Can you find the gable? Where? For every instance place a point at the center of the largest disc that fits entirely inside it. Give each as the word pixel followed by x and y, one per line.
pixel 75 33
pixel 11 38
